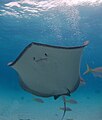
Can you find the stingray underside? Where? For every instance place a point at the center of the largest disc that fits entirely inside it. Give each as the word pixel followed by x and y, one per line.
pixel 46 70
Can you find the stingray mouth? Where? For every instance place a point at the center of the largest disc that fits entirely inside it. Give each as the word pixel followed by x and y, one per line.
pixel 40 59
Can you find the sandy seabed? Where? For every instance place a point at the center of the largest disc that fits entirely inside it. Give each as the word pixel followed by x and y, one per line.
pixel 21 106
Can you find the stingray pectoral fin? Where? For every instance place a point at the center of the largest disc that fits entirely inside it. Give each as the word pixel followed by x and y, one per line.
pixel 10 63
pixel 56 96
pixel 22 84
pixel 68 93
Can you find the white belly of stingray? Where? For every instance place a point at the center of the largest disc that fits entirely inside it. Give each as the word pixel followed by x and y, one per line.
pixel 48 71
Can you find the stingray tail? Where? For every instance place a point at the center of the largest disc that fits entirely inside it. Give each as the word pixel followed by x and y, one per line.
pixel 88 70
pixel 64 100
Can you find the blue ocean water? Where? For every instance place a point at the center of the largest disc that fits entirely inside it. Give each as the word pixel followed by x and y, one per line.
pixel 62 23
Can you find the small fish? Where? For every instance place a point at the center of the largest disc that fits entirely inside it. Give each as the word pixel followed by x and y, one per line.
pixel 38 100
pixel 72 101
pixel 66 109
pixel 97 72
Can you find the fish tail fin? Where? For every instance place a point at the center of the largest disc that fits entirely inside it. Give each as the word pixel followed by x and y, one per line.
pixel 88 70
pixel 64 100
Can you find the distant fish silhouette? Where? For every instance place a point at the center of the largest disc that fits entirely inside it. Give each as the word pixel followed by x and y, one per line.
pixel 38 100
pixel 67 108
pixel 97 72
pixel 72 101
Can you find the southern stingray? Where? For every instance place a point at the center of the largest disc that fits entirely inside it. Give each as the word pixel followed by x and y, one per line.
pixel 47 70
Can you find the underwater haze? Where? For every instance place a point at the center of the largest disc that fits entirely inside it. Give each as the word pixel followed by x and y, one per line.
pixel 53 22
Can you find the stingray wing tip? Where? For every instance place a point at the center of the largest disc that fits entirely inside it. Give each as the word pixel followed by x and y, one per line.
pixel 86 43
pixel 10 64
